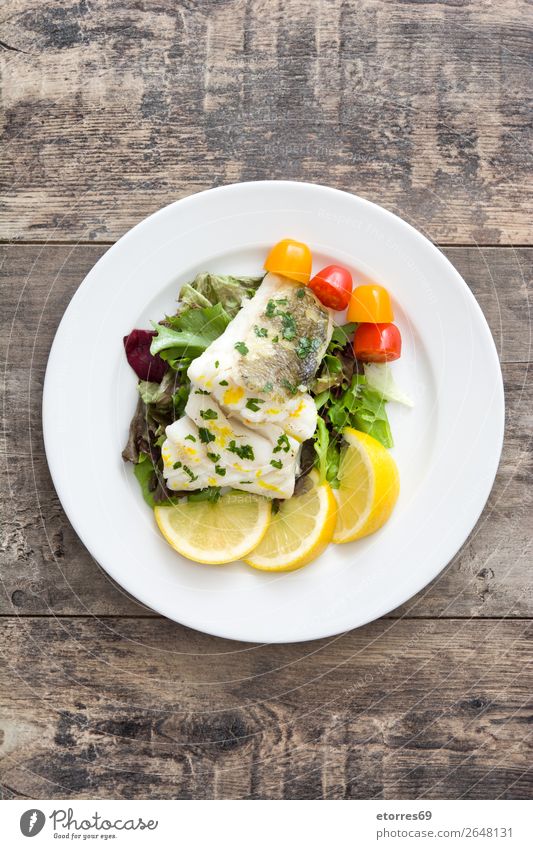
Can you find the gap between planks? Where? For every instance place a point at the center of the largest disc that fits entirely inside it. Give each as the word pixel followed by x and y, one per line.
pixel 110 242
pixel 155 617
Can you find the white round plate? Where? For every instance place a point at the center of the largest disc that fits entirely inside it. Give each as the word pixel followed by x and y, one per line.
pixel 447 447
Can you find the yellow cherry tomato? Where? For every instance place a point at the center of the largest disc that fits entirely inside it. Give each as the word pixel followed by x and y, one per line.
pixel 370 304
pixel 290 259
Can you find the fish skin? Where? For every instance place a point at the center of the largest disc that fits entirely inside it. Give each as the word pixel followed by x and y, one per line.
pixel 277 362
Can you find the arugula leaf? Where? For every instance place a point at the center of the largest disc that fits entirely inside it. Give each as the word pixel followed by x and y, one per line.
pixel 189 333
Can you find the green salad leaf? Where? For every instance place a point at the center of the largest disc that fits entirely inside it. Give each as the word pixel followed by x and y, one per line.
pixel 150 480
pixel 327 449
pixel 362 408
pixel 379 377
pixel 342 334
pixel 188 334
pixel 224 289
pixel 338 364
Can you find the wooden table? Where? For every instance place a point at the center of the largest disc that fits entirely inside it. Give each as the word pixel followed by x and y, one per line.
pixel 113 108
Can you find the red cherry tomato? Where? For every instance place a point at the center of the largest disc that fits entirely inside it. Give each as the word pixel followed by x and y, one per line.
pixel 332 286
pixel 377 343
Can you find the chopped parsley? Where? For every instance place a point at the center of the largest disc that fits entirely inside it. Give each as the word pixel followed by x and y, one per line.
pixel 275 339
pixel 290 386
pixel 287 319
pixel 300 293
pixel 289 325
pixel 191 474
pixel 241 348
pixel 283 444
pixel 268 387
pixel 307 346
pixel 270 311
pixel 276 463
pixel 205 435
pixel 245 482
pixel 217 363
pixel 253 404
pixel 214 457
pixel 201 392
pixel 245 452
pixel 260 331
pixel 190 437
pixel 220 471
pixel 223 383
pixel 208 414
pixel 272 307
pixel 177 465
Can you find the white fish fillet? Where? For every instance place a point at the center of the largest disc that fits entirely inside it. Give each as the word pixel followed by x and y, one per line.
pixel 248 410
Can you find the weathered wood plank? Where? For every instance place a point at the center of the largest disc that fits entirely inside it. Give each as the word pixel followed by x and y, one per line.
pixel 144 708
pixel 113 109
pixel 45 568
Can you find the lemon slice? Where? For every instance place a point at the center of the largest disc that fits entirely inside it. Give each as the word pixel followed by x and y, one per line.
pixel 215 533
pixel 369 486
pixel 299 531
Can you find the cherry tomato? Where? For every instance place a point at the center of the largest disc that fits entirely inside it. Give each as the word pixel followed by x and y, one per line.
pixel 290 259
pixel 333 286
pixel 377 343
pixel 370 304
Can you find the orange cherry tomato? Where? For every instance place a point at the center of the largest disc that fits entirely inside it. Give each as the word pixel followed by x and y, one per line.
pixel 370 303
pixel 377 343
pixel 290 259
pixel 333 286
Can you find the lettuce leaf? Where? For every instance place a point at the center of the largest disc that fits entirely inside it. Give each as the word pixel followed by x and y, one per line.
pixel 151 482
pixel 224 289
pixel 338 364
pixel 360 407
pixel 341 336
pixel 380 378
pixel 188 334
pixel 145 473
pixel 327 451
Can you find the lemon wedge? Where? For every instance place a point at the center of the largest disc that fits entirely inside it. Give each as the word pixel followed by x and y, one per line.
pixel 299 531
pixel 215 533
pixel 369 486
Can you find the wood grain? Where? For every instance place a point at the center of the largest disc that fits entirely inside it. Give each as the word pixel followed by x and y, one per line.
pixel 147 709
pixel 45 568
pixel 112 109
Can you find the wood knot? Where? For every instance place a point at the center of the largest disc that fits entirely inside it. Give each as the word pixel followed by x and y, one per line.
pixel 224 732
